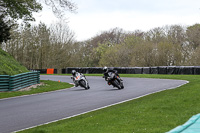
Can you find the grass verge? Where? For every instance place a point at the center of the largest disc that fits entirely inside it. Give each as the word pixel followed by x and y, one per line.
pixel 48 86
pixel 155 113
pixel 9 66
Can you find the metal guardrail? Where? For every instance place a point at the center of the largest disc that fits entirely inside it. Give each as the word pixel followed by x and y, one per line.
pixel 19 81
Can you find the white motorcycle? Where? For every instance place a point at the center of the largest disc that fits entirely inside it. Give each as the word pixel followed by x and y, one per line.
pixel 81 80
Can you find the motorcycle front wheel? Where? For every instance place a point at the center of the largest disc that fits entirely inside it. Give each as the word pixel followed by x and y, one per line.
pixel 83 84
pixel 117 84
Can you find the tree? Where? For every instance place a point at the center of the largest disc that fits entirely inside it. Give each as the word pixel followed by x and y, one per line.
pixel 116 56
pixel 196 57
pixel 96 46
pixel 60 6
pixel 23 9
pixel 176 34
pixel 4 30
pixel 14 10
pixel 193 33
pixel 113 36
pixel 41 47
pixel 62 41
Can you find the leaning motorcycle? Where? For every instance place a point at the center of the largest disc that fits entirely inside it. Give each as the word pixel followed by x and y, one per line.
pixel 82 81
pixel 115 80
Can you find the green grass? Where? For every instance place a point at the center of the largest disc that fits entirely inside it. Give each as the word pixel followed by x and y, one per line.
pixel 9 66
pixel 48 86
pixel 155 113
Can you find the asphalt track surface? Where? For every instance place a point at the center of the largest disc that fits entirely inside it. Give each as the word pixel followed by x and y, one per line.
pixel 28 111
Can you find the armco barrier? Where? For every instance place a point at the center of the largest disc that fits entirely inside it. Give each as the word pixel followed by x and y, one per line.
pixel 19 81
pixel 189 70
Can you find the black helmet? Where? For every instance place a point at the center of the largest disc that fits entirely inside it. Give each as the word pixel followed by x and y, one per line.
pixel 73 72
pixel 105 69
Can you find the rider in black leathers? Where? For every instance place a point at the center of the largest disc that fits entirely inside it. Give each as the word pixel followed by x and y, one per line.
pixel 106 71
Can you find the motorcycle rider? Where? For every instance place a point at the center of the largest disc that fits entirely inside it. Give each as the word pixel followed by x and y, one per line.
pixel 74 75
pixel 106 71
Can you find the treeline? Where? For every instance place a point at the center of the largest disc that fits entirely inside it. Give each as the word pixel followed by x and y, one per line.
pixel 41 47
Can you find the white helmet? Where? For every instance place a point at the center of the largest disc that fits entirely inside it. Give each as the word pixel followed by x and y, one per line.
pixel 105 69
pixel 73 72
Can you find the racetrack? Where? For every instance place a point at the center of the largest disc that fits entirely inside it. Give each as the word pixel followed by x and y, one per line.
pixel 28 111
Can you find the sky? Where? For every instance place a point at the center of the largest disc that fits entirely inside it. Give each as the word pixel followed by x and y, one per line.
pixel 95 16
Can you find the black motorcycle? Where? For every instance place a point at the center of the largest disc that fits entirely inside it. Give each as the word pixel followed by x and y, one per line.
pixel 114 80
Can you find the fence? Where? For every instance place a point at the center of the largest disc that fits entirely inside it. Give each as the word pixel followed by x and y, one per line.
pixel 19 81
pixel 190 70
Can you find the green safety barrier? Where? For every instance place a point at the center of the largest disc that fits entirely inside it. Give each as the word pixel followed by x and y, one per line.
pixel 19 81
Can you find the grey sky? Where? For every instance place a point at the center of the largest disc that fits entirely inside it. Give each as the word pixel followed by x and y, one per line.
pixel 95 16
